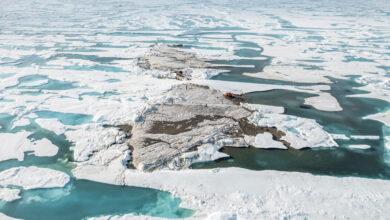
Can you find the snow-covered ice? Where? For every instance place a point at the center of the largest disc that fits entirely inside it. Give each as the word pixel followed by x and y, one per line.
pixel 367 137
pixel 87 62
pixel 33 177
pixel 264 109
pixel 261 194
pixel 264 141
pixel 9 195
pixel 300 132
pixel 14 146
pixel 359 146
pixel 324 102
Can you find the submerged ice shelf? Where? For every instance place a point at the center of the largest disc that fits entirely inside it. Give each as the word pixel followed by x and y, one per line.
pixel 70 81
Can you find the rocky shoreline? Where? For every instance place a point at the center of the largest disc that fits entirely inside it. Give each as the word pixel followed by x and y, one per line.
pixel 192 128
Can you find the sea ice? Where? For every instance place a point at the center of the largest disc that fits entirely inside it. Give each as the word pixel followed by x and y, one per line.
pixel 264 141
pixel 300 132
pixel 359 146
pixel 205 153
pixel 9 195
pixel 367 137
pixel 383 117
pixel 16 144
pixel 260 194
pixel 33 177
pixel 52 124
pixel 324 102
pixel 264 109
pixel 5 217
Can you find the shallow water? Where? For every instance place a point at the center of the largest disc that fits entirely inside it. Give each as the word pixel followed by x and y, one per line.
pixel 76 200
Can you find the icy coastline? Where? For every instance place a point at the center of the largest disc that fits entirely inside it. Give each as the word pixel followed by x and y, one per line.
pixel 88 78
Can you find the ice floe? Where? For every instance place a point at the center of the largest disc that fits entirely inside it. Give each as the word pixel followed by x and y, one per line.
pixel 367 137
pixel 204 153
pixel 92 138
pixel 264 141
pixel 300 132
pixel 324 102
pixel 9 195
pixel 14 146
pixel 33 177
pixel 5 217
pixel 340 136
pixel 52 124
pixel 264 109
pixel 359 146
pixel 383 117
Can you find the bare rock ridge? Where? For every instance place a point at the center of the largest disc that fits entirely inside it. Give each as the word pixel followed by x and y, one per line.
pixel 191 128
pixel 179 63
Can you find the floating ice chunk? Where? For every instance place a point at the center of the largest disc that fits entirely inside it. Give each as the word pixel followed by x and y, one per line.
pixel 13 146
pixel 289 73
pixel 340 136
pixel 300 132
pixel 383 117
pixel 51 124
pixel 207 152
pixel 241 87
pixel 264 141
pixel 21 122
pixel 9 195
pixel 106 156
pixel 264 109
pixel 324 102
pixel 316 87
pixel 33 178
pixel 359 146
pixel 92 138
pixel 44 148
pixel 367 137
pixel 5 217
